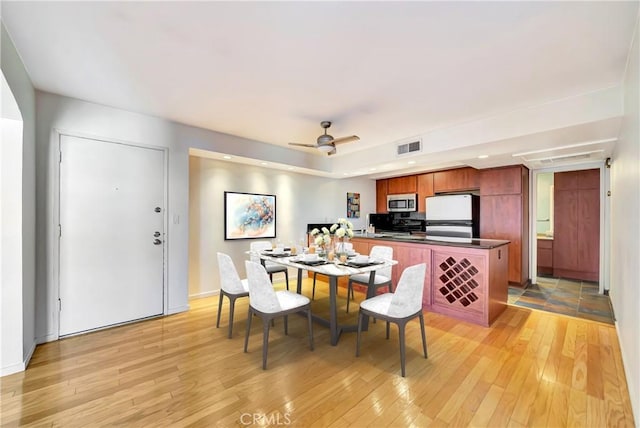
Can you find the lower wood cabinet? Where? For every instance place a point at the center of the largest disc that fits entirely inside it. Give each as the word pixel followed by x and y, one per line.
pixel 468 283
pixel 545 256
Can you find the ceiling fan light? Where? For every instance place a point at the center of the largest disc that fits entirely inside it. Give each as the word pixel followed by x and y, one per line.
pixel 326 148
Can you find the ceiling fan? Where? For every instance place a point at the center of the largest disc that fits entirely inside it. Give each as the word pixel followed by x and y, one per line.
pixel 326 143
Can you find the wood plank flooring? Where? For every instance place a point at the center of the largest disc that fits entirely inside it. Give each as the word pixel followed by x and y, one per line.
pixel 530 368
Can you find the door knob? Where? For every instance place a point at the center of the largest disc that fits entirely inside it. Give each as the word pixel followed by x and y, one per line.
pixel 157 242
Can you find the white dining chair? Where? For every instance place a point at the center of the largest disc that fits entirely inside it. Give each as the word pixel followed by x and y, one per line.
pixel 382 277
pixel 399 307
pixel 348 247
pixel 231 286
pixel 268 304
pixel 256 247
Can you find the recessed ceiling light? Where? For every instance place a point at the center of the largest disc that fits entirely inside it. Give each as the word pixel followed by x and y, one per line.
pixel 372 169
pixel 483 156
pixel 411 162
pixel 264 163
pixel 291 168
pixel 226 157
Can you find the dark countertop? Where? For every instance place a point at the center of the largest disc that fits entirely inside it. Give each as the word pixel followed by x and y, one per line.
pixel 436 240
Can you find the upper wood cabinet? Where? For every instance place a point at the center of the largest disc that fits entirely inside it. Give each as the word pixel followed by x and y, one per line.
pixel 406 184
pixel 381 196
pixel 456 180
pixel 502 181
pixel 504 214
pixel 425 188
pixel 573 180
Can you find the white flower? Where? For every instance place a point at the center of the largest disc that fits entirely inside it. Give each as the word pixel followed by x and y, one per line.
pixel 315 231
pixel 327 239
pixel 325 231
pixel 340 232
pixel 350 233
pixel 333 228
pixel 319 240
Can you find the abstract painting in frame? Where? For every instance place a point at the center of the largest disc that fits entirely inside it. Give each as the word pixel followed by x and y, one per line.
pixel 353 205
pixel 249 215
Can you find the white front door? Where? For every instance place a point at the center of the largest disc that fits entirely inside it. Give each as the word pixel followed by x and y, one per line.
pixel 112 234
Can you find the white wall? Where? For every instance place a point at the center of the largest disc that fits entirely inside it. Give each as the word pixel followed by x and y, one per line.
pixel 625 230
pixel 300 199
pixel 19 340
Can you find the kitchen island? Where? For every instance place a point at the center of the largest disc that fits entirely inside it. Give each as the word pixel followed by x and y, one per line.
pixel 465 278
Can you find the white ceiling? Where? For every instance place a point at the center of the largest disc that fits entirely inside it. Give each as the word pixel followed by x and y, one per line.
pixel 492 74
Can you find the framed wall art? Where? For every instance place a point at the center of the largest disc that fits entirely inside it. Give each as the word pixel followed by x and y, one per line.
pixel 353 205
pixel 249 215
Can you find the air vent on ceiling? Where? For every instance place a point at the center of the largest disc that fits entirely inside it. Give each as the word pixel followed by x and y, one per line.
pixel 410 147
pixel 563 158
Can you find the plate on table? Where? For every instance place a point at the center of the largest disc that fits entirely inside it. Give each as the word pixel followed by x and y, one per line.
pixel 276 255
pixel 312 262
pixel 355 264
pixel 284 249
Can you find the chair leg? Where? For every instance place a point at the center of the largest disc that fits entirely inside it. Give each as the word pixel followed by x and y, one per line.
pixel 310 320
pixel 219 310
pixel 286 278
pixel 286 325
pixel 313 291
pixel 232 304
pixel 265 341
pixel 424 338
pixel 401 326
pixel 387 330
pixel 360 316
pixel 349 292
pixel 246 337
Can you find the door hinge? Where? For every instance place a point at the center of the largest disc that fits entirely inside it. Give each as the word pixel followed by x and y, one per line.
pixel 59 305
pixel 59 231
pixel 60 158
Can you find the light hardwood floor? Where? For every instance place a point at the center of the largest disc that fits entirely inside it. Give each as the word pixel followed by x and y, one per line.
pixel 529 369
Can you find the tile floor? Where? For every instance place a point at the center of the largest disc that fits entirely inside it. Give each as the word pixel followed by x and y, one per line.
pixel 564 296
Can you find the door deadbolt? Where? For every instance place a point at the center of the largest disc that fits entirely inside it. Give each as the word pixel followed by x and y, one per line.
pixel 158 209
pixel 157 242
pixel 156 234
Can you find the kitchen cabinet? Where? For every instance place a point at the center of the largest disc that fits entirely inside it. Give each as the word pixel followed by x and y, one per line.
pixel 576 247
pixel 381 196
pixel 544 250
pixel 465 282
pixel 399 185
pixel 504 214
pixel 425 189
pixel 455 180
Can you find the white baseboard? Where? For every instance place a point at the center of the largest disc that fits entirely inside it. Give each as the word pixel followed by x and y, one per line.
pixel 204 294
pixel 13 368
pixel 47 338
pixel 30 352
pixel 177 309
pixel 626 362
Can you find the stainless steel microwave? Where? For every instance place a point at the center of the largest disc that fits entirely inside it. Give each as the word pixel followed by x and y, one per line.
pixel 402 203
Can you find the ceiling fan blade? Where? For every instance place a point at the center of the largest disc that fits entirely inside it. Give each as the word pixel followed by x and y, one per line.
pixel 313 146
pixel 332 152
pixel 343 140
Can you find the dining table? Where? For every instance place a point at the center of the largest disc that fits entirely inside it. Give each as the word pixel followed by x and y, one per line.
pixel 333 270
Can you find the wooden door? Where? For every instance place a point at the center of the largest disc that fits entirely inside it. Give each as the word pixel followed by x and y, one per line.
pixel 381 196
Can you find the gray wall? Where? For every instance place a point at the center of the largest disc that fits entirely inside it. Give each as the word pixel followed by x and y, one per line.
pixel 625 230
pixel 300 199
pixel 24 94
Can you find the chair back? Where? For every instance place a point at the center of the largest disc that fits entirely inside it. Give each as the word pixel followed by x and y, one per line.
pixel 257 247
pixel 229 279
pixel 261 294
pixel 407 299
pixel 385 253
